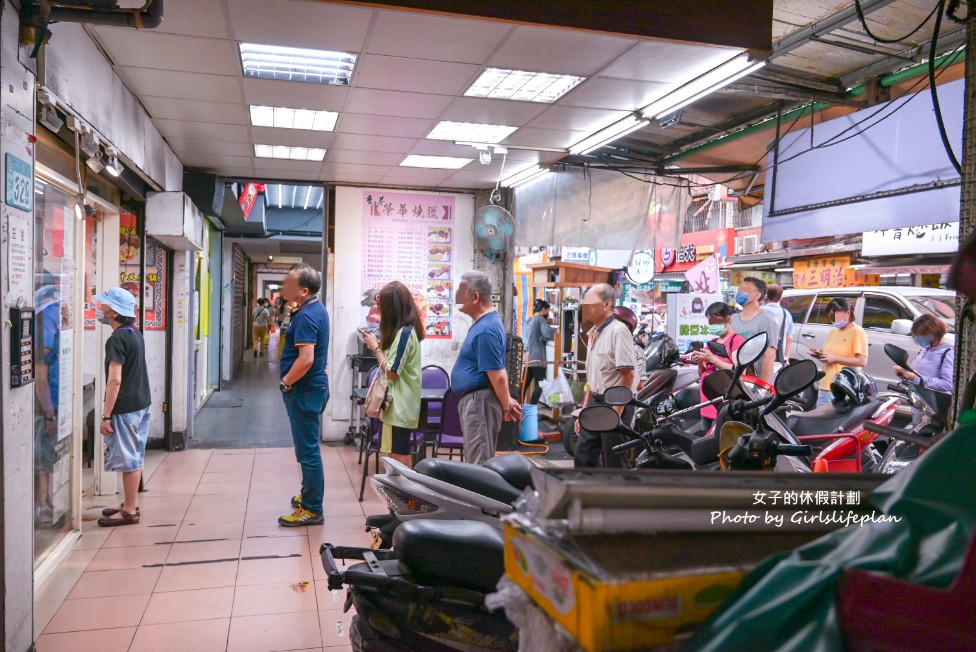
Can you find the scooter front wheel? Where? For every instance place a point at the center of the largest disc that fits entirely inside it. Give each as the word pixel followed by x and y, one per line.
pixel 569 436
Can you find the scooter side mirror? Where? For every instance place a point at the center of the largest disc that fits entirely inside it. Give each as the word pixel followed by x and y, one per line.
pixel 599 418
pixel 897 354
pixel 717 348
pixel 749 353
pixel 790 381
pixel 717 383
pixel 618 395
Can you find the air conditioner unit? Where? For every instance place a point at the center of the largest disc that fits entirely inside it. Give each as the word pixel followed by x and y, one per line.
pixel 738 246
pixel 750 244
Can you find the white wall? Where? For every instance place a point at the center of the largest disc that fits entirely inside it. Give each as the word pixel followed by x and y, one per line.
pixel 80 75
pixel 345 292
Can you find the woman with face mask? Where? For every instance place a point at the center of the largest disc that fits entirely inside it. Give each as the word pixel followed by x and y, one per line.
pixel 935 365
pixel 720 325
pixel 846 346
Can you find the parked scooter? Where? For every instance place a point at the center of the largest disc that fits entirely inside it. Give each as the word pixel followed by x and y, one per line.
pixel 421 596
pixel 447 490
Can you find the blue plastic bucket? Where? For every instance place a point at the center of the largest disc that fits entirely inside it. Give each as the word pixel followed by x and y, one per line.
pixel 530 423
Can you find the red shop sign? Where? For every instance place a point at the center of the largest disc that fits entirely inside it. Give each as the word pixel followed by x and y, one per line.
pixel 694 248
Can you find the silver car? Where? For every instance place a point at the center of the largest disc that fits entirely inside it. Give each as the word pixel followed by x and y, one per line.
pixel 885 313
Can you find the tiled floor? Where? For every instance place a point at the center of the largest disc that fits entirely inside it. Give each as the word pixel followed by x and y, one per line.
pixel 208 568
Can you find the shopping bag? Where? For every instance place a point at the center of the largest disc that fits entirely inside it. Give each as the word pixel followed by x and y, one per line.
pixel 557 391
pixel 378 396
pixel 271 328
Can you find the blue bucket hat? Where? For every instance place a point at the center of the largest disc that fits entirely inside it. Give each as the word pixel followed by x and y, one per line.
pixel 119 300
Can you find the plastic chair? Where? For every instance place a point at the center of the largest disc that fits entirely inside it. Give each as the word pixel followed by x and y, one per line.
pixel 435 377
pixel 373 449
pixel 450 435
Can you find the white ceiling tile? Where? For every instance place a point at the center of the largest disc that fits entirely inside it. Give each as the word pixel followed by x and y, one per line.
pixel 294 95
pixel 375 171
pixel 291 137
pixel 373 143
pixel 576 119
pixel 343 177
pixel 416 176
pixel 203 160
pixel 147 49
pixel 415 75
pixel 205 130
pixel 247 172
pixel 182 85
pixel 492 112
pixel 337 156
pixel 397 103
pixel 299 23
pixel 606 93
pixel 382 125
pixel 424 36
pixel 170 108
pixel 660 61
pixel 528 137
pixel 541 49
pixel 219 147
pixel 307 170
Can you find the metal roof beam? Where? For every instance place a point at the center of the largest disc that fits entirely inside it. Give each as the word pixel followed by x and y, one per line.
pixel 826 25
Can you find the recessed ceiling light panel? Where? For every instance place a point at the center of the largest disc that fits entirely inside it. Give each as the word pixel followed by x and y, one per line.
pixel 435 162
pixel 470 131
pixel 291 153
pixel 297 64
pixel 277 116
pixel 502 84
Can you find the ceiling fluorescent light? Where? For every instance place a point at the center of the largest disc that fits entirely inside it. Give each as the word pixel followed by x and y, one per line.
pixel 608 134
pixel 291 153
pixel 471 131
pixel 502 84
pixel 297 64
pixel 528 174
pixel 733 69
pixel 279 195
pixel 284 118
pixel 435 162
pixel 308 195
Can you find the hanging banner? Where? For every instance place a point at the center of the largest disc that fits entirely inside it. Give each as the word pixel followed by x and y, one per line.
pixel 409 237
pixel 704 276
pixel 687 322
pixel 942 238
pixel 249 196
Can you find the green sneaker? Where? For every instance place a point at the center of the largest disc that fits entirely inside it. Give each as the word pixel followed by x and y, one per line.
pixel 296 501
pixel 301 517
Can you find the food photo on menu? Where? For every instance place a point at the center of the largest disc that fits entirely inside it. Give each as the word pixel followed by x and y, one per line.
pixel 438 309
pixel 438 327
pixel 439 253
pixel 438 234
pixel 129 249
pixel 437 271
pixel 439 289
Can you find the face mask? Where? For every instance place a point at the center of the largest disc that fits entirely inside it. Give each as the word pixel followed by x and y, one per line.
pixel 741 298
pixel 102 318
pixel 716 329
pixel 840 323
pixel 923 341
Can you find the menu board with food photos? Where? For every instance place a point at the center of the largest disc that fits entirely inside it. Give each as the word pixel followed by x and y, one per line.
pixel 410 237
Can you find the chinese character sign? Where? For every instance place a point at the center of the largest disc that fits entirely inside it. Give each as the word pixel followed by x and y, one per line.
pixel 410 238
pixel 687 321
pixel 829 271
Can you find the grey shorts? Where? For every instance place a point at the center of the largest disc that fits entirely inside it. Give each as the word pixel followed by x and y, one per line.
pixel 126 449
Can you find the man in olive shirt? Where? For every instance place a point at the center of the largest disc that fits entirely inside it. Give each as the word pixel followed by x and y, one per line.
pixel 610 361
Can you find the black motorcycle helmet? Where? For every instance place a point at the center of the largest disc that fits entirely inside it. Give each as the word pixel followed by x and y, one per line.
pixel 851 388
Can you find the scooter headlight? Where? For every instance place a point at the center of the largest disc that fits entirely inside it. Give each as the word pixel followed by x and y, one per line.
pixel 402 503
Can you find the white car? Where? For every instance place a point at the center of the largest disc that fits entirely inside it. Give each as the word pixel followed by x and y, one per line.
pixel 885 313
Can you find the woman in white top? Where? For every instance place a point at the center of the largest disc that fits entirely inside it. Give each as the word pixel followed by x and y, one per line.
pixel 261 319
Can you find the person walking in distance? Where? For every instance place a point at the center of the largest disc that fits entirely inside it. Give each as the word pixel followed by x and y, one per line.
pixel 261 316
pixel 754 320
pixel 783 321
pixel 398 354
pixel 479 376
pixel 610 361
pixel 125 415
pixel 305 388
pixel 537 334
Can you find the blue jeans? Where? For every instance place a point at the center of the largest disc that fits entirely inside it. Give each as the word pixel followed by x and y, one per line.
pixel 304 408
pixel 824 397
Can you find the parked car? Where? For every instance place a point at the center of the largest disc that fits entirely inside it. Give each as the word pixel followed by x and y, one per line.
pixel 885 313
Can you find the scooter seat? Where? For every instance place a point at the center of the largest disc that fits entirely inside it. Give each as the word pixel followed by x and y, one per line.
pixel 472 477
pixel 827 420
pixel 515 468
pixel 463 554
pixel 657 381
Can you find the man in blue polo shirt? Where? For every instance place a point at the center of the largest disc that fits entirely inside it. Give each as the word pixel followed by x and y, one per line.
pixel 479 374
pixel 305 388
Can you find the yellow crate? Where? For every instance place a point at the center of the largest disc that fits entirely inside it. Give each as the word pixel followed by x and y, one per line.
pixel 607 605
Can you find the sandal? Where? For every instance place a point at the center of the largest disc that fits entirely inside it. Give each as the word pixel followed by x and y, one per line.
pixel 126 519
pixel 112 511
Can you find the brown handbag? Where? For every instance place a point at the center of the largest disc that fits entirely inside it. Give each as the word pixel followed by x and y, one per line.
pixel 378 397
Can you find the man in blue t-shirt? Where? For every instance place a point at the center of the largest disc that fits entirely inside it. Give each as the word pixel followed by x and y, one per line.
pixel 305 387
pixel 479 374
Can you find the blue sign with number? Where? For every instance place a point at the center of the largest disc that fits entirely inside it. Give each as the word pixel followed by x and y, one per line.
pixel 19 191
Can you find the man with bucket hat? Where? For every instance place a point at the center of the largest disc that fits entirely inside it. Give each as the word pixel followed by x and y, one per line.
pixel 125 417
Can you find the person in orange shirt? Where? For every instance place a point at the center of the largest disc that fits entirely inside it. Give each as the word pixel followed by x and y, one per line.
pixel 846 346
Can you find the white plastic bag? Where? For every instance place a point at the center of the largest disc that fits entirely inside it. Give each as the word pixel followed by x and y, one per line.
pixel 557 391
